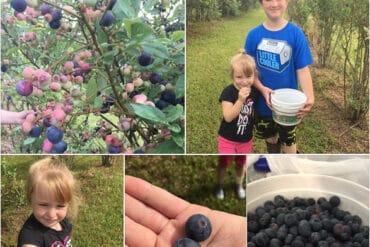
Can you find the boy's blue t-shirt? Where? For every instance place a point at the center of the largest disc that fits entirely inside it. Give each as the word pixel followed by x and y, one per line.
pixel 278 55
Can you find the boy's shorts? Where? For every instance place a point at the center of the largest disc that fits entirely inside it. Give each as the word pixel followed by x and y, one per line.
pixel 226 160
pixel 266 128
pixel 226 146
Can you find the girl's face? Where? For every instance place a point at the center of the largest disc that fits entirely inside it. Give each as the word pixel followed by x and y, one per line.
pixel 274 9
pixel 241 80
pixel 47 210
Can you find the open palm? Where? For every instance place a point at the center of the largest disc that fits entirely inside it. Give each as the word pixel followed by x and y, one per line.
pixel 156 218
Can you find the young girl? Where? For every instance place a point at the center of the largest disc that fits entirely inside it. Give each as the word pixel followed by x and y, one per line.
pixel 52 193
pixel 236 130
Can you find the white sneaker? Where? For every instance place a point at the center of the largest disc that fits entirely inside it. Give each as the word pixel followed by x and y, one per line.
pixel 220 194
pixel 240 192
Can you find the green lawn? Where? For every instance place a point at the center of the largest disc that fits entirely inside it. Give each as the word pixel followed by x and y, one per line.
pixel 210 45
pixel 191 177
pixel 100 219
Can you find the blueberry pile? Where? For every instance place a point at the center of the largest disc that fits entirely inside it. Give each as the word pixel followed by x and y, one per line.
pixel 197 228
pixel 304 222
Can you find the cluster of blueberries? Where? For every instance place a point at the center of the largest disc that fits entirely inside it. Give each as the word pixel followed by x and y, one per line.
pixel 304 222
pixel 197 229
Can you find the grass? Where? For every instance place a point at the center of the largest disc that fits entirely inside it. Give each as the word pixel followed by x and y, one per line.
pixel 210 45
pixel 191 177
pixel 100 219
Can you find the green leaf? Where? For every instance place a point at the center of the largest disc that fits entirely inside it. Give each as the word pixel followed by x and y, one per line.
pixel 108 57
pixel 178 35
pixel 167 147
pixel 148 5
pixel 29 141
pixel 156 49
pixel 174 112
pixel 91 90
pixel 178 138
pixel 126 9
pixel 149 113
pixel 176 128
pixel 98 102
pixel 102 37
pixel 180 86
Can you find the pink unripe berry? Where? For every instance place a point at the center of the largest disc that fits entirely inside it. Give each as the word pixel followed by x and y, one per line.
pixel 149 103
pixel 130 87
pixel 78 79
pixel 63 78
pixel 37 92
pixel 10 19
pixel 68 109
pixel 108 139
pixel 127 70
pixel 27 126
pixel 28 73
pixel 48 17
pixel 68 66
pixel 85 67
pixel 126 125
pixel 66 85
pixel 20 16
pixel 47 146
pixel 59 115
pixel 139 98
pixel 55 86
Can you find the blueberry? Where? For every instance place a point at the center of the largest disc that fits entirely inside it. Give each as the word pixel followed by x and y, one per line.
pixel 35 131
pixel 253 226
pixel 365 243
pixel 56 15
pixel 275 243
pixel 315 224
pixel 289 238
pixel 4 68
pixel 133 94
pixel 271 233
pixel 185 242
pixel 315 238
pixel 169 96
pixel 304 228
pixel 24 87
pixel 323 244
pixel 198 227
pixel 290 219
pixel 161 104
pixel 114 149
pixel 297 243
pixel 155 78
pixel 18 5
pixel 45 8
pixel 107 19
pixel 55 24
pixel 251 244
pixel 145 59
pixel 358 237
pixel 261 239
pixel 59 147
pixel 54 134
pixel 264 220
pixel 282 232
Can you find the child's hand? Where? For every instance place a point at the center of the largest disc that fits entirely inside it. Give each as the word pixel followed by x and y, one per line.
pixel 244 93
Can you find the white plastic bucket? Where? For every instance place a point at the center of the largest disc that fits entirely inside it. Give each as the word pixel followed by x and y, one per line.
pixel 354 197
pixel 286 103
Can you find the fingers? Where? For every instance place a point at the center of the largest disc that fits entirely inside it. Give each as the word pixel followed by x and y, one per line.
pixel 137 235
pixel 159 199
pixel 144 215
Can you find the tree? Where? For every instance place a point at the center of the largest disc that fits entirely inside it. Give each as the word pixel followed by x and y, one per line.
pixel 107 74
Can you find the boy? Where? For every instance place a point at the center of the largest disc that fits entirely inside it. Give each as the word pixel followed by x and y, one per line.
pixel 282 56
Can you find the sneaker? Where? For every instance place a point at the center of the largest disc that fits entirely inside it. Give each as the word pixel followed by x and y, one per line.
pixel 220 193
pixel 240 192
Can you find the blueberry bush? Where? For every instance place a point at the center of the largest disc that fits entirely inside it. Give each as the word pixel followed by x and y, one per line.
pixel 101 75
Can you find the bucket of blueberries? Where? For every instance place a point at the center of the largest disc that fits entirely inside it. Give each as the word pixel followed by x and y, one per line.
pixel 301 210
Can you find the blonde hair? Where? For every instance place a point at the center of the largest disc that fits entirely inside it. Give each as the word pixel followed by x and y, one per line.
pixel 245 62
pixel 54 175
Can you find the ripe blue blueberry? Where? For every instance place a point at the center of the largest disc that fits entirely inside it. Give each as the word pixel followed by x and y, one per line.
pixel 35 131
pixel 198 227
pixel 161 104
pixel 18 5
pixel 55 24
pixel 45 8
pixel 169 96
pixel 3 68
pixel 145 59
pixel 107 19
pixel 59 147
pixel 155 78
pixel 185 242
pixel 56 15
pixel 54 134
pixel 114 149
